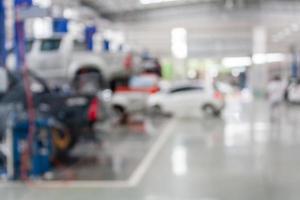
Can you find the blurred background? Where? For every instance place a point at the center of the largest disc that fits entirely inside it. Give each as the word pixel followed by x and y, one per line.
pixel 149 99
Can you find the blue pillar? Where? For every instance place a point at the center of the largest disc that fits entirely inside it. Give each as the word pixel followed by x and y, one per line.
pixel 89 33
pixel 23 3
pixel 20 44
pixel 294 66
pixel 2 35
pixel 106 45
pixel 20 32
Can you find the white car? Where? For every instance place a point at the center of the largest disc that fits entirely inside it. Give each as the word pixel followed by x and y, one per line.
pixel 64 58
pixel 187 99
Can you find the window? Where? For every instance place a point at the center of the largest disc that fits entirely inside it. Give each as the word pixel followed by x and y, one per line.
pixel 50 44
pixel 79 45
pixel 185 89
pixel 142 82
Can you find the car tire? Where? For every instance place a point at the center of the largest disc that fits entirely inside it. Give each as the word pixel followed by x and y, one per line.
pixel 89 82
pixel 120 115
pixel 63 141
pixel 155 110
pixel 211 110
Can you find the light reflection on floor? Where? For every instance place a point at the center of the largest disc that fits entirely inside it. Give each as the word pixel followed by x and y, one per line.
pixel 115 153
pixel 251 153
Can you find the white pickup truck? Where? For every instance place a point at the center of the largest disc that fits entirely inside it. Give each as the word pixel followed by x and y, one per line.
pixel 64 58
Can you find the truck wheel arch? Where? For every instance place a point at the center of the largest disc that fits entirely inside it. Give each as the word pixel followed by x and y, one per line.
pixel 86 70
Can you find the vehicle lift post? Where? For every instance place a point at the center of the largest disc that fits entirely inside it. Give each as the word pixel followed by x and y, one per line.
pixel 2 35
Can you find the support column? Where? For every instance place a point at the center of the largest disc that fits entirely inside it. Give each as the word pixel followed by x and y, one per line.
pixel 2 35
pixel 294 63
pixel 179 50
pixel 258 73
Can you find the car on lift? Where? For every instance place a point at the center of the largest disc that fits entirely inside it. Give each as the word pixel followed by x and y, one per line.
pixel 187 98
pixel 76 113
pixel 64 58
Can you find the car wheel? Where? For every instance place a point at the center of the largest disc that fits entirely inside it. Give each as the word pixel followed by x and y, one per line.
pixel 210 110
pixel 155 110
pixel 88 82
pixel 119 115
pixel 63 140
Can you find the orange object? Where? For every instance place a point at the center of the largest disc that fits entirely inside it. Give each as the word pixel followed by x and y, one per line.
pixel 124 89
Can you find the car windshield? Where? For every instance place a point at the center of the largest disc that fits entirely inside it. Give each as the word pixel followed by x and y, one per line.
pixel 50 44
pixel 142 82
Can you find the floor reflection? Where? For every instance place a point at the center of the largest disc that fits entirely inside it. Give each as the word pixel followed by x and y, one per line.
pixel 115 153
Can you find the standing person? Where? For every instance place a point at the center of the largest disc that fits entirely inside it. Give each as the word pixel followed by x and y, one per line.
pixel 276 89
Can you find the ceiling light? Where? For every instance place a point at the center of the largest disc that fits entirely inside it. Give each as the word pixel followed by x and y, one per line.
pixel 179 45
pixel 259 59
pixel 236 61
pixel 275 57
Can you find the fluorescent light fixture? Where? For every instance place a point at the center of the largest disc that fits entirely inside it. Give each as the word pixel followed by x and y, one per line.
pixel 275 57
pixel 257 59
pixel 69 13
pixel 145 2
pixel 236 61
pixel 42 27
pixel 179 45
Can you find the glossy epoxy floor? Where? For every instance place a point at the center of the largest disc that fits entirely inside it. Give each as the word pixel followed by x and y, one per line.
pixel 251 153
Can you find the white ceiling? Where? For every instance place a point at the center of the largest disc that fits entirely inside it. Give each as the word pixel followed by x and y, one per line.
pixel 212 30
pixel 215 27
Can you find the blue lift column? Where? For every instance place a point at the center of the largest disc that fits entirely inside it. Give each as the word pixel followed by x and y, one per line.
pixel 294 65
pixel 20 32
pixel 89 34
pixel 2 35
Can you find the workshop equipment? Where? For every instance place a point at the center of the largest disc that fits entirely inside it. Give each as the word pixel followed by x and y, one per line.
pixel 37 162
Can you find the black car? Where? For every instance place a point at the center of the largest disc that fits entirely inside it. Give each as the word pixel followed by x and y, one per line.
pixel 76 113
